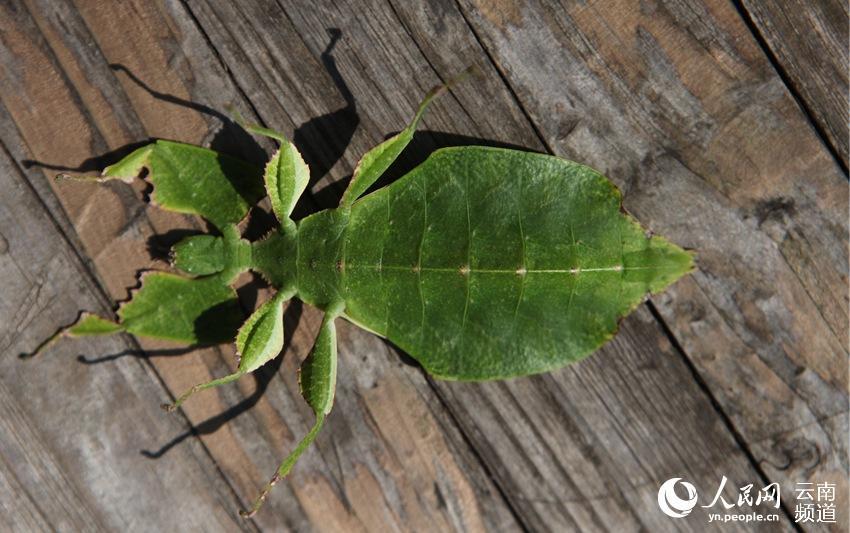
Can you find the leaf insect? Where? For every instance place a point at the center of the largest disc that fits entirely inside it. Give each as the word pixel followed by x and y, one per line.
pixel 481 263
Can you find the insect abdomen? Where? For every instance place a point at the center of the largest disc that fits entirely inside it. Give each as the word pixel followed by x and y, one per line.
pixel 467 272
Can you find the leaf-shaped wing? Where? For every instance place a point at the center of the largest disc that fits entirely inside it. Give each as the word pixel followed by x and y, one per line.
pixel 195 180
pixel 486 263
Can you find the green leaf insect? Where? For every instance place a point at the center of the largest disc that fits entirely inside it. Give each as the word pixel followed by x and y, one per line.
pixel 481 263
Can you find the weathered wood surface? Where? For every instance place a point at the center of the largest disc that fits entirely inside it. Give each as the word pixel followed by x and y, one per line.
pixel 677 105
pixel 810 42
pixel 392 457
pixel 70 434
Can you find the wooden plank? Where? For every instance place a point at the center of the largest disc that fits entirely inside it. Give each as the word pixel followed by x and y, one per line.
pixel 586 447
pixel 69 434
pixel 677 103
pixel 809 40
pixel 391 457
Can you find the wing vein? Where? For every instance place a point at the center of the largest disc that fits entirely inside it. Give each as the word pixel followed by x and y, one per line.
pixel 466 271
pixel 424 193
pixel 523 271
pixel 381 266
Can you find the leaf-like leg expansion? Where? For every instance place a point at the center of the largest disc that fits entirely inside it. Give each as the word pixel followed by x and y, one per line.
pixel 201 386
pixel 259 340
pixel 191 179
pixel 286 174
pixel 317 375
pixel 171 307
pixel 86 326
pixel 193 311
pixel 377 160
pixel 317 378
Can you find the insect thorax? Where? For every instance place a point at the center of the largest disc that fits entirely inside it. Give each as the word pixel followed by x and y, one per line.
pixel 320 257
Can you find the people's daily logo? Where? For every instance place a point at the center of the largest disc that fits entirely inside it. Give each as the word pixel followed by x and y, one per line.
pixel 816 502
pixel 671 504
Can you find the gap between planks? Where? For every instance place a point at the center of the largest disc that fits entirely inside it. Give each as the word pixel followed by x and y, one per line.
pixel 795 93
pixel 736 435
pixel 476 455
pixel 102 295
pixel 532 124
pixel 727 422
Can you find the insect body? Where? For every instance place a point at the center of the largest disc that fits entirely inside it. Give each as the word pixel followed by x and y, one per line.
pixel 481 263
pixel 469 264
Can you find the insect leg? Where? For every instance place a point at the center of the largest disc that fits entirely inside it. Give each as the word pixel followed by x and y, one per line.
pixel 284 468
pixel 191 311
pixel 317 378
pixel 374 162
pixel 286 174
pixel 201 386
pixel 191 179
pixel 87 325
pixel 259 340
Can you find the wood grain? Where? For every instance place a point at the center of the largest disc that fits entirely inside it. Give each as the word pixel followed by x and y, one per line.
pixel 809 40
pixel 676 102
pixel 70 434
pixel 549 460
pixel 393 459
pixel 582 448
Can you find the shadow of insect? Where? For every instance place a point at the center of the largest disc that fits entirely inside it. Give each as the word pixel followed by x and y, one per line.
pixel 323 141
